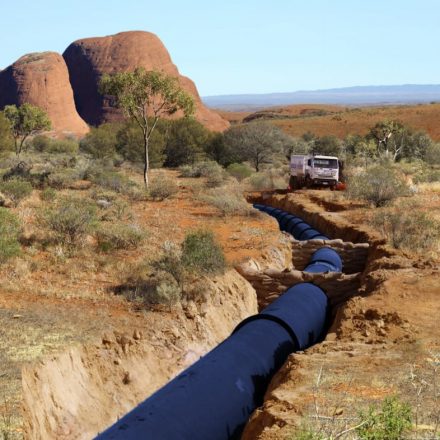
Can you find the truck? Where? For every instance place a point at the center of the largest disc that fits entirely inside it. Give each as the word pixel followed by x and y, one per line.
pixel 313 170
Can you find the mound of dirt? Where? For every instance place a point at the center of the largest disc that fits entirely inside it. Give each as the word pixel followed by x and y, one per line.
pixel 42 79
pixel 88 59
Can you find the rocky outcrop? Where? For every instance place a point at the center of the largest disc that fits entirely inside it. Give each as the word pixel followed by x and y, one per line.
pixel 42 79
pixel 88 59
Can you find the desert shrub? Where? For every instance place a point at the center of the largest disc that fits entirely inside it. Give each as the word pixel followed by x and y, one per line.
pixel 10 230
pixel 48 194
pixel 229 200
pixel 201 253
pixel 239 170
pixel 16 189
pixel 170 261
pixel 200 169
pixel 378 185
pixel 62 178
pixel 409 228
pixel 63 146
pixel 43 143
pixel 101 141
pixel 111 206
pixel 119 236
pixel 307 434
pixel 387 423
pixel 6 140
pixel 111 180
pixel 151 288
pixel 216 178
pixel 40 143
pixel 265 180
pixel 162 187
pixel 137 193
pixel 427 176
pixel 70 220
pixel 432 154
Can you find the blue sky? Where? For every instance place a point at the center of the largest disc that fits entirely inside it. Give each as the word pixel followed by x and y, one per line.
pixel 245 46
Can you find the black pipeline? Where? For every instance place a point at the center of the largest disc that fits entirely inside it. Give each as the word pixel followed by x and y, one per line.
pixel 214 398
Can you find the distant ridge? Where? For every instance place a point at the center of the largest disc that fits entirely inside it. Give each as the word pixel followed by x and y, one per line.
pixel 358 95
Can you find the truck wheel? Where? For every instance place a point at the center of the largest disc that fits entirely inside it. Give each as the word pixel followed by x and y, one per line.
pixel 308 181
pixel 293 183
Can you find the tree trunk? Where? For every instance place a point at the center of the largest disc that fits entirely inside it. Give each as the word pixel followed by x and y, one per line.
pixel 146 159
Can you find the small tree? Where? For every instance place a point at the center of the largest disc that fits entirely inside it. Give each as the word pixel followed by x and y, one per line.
pixel 6 141
pixel 256 142
pixel 327 146
pixel 384 134
pixel 185 141
pixel 130 143
pixel 144 97
pixel 26 120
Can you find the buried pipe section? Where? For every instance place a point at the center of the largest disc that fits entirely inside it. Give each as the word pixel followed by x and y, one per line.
pixel 214 398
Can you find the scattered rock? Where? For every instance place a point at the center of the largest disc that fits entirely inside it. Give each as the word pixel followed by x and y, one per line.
pixel 126 378
pixel 137 335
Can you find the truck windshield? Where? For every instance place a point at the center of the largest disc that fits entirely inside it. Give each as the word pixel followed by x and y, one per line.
pixel 325 163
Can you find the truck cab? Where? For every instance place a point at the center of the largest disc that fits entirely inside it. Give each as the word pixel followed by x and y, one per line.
pixel 313 170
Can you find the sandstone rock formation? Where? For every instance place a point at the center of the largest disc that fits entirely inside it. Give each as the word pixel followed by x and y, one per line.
pixel 42 79
pixel 88 59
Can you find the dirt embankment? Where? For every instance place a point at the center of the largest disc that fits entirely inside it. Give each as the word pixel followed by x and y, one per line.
pixel 383 341
pixel 80 392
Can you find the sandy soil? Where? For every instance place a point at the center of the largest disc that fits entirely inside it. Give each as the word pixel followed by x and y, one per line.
pixel 384 341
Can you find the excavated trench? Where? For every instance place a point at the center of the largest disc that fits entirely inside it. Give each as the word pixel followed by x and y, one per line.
pixel 110 378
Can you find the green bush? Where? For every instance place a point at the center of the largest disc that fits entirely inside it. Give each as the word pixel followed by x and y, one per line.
pixel 43 143
pixel 62 178
pixel 186 139
pixel 201 253
pixel 151 288
pixel 112 180
pixel 216 179
pixel 378 185
pixel 101 141
pixel 119 236
pixel 170 261
pixel 409 228
pixel 265 181
pixel 427 176
pixel 16 190
pixel 162 187
pixel 387 423
pixel 130 144
pixel 239 170
pixel 70 220
pixel 48 194
pixel 228 200
pixel 200 169
pixel 63 146
pixel 6 140
pixel 10 230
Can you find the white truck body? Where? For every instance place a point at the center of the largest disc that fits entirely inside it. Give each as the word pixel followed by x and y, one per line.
pixel 309 170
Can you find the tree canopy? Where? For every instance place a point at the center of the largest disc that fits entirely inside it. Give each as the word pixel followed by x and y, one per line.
pixel 256 142
pixel 26 120
pixel 144 97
